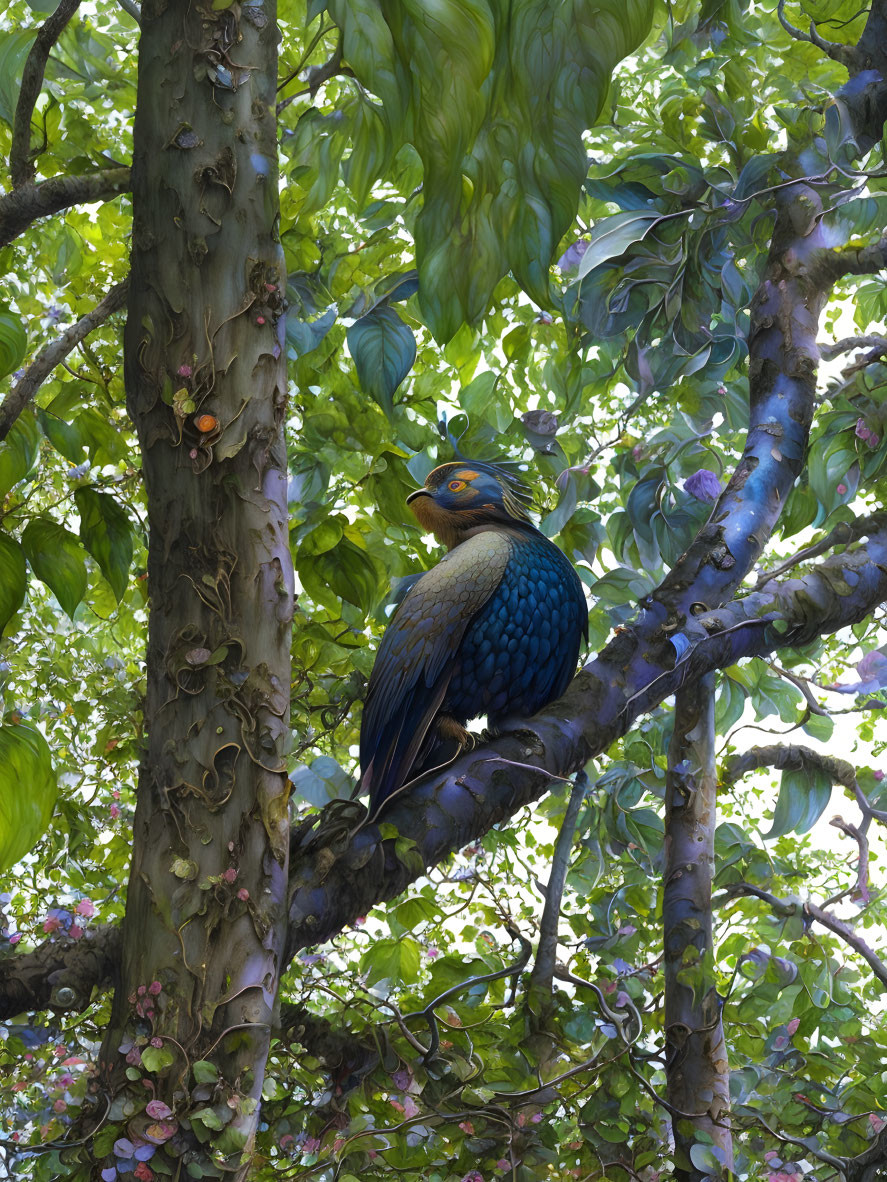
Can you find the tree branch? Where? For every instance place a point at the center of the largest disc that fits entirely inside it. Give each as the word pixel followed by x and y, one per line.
pixel 848 344
pixel 841 535
pixel 847 55
pixel 542 975
pixel 833 264
pixel 339 874
pixel 133 9
pixel 60 974
pixel 787 907
pixel 21 165
pixel 339 871
pixel 697 1078
pixel 53 354
pixel 31 201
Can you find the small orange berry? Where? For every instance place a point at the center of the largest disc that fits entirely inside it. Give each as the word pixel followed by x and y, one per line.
pixel 206 423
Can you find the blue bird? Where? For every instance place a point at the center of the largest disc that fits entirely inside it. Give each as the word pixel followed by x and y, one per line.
pixel 495 628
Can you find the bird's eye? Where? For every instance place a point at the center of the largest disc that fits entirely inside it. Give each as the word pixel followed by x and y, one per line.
pixel 456 485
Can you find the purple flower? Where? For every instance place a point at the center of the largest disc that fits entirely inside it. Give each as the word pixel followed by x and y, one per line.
pixel 158 1110
pixel 704 486
pixel 572 256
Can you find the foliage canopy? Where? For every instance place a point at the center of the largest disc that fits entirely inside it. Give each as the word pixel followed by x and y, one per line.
pixel 497 240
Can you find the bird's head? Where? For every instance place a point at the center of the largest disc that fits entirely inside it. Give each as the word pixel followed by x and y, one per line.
pixel 458 497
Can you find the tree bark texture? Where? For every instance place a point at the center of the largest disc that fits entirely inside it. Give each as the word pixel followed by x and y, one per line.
pixel 205 923
pixel 698 1081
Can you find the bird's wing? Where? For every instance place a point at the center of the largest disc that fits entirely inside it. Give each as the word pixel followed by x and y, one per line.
pixel 415 659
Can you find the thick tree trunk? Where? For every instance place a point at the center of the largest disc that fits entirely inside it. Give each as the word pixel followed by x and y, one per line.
pixel 206 910
pixel 696 1058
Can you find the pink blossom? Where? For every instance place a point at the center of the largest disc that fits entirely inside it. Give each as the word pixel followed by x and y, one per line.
pixel 360 921
pixel 156 1042
pixel 229 875
pixel 467 1127
pixel 432 953
pixel 260 320
pixel 286 1140
pixel 142 990
pixel 116 793
pixel 59 1051
pixel 878 775
pixel 85 907
pixel 134 1057
pixel 842 488
pixel 311 1145
pixel 51 924
pixel 157 1110
pixel 65 1079
pixel 154 988
pixel 15 938
pixel 60 1106
pixel 76 931
pixel 143 1172
pixel 114 810
pixel 243 894
pixel 793 1025
pixel 502 1164
pixel 184 371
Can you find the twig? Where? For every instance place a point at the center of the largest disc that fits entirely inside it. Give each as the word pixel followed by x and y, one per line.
pixel 803 685
pixel 786 908
pixel 133 9
pixel 860 836
pixel 53 354
pixel 848 344
pixel 510 971
pixel 316 78
pixel 845 54
pixel 849 937
pixel 21 166
pixel 31 201
pixel 784 1139
pixel 842 535
pixel 546 953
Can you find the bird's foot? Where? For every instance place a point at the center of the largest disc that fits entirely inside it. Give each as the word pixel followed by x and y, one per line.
pixel 449 728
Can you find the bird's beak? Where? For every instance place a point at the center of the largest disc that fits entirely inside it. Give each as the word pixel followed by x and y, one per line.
pixel 420 492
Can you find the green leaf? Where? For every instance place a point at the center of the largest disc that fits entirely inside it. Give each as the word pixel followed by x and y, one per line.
pixel 58 560
pixel 13 342
pixel 613 236
pixel 321 781
pixel 19 451
pixel 345 570
pixel 803 798
pixel 27 791
pixel 384 349
pixel 504 161
pixel 392 960
pixel 14 48
pixel 156 1058
pixel 106 533
pixel 204 1071
pixel 13 579
pixel 703 1157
